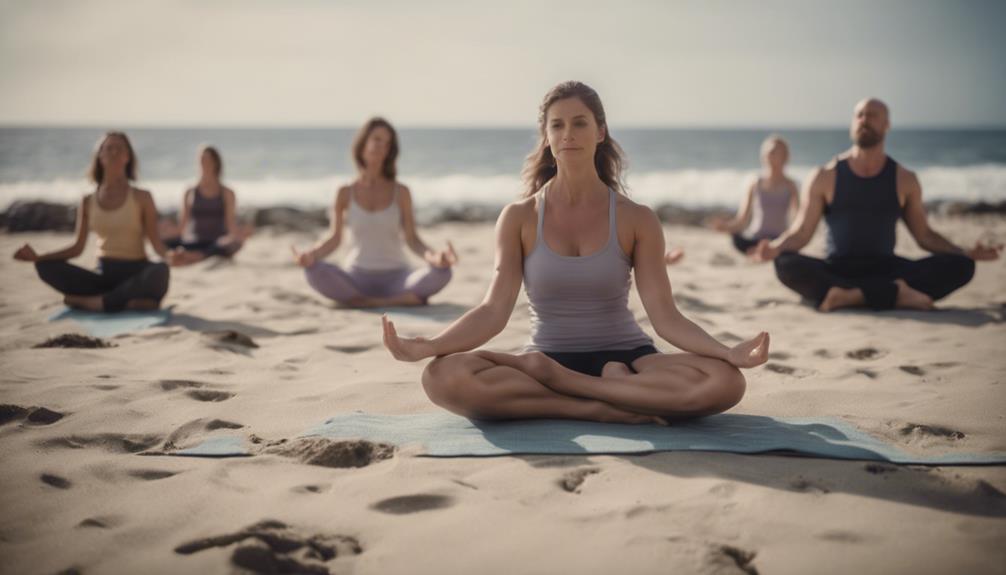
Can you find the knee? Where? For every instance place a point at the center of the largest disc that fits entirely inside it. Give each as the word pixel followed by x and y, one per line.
pixel 725 388
pixel 449 384
pixel 160 276
pixel 786 266
pixel 961 268
pixel 45 269
pixel 442 381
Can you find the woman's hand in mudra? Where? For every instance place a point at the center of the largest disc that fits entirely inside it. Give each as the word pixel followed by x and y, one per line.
pixel 405 348
pixel 750 353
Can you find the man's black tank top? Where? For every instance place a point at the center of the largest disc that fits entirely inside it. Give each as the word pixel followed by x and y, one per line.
pixel 863 215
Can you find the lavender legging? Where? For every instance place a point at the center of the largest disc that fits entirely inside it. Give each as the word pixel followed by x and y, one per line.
pixel 344 286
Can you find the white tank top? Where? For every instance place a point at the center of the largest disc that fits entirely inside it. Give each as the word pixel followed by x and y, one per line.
pixel 377 237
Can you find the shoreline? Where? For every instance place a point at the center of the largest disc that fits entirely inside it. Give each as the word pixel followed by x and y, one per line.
pixel 32 215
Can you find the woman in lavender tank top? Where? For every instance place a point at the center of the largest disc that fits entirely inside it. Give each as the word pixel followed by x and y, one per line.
pixel 769 203
pixel 378 211
pixel 574 240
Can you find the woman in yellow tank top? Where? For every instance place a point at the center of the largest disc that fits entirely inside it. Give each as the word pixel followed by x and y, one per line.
pixel 120 216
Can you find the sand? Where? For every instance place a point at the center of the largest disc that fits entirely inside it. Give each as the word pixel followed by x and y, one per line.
pixel 76 495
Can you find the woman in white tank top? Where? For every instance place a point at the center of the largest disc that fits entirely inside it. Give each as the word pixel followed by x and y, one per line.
pixel 573 241
pixel 378 211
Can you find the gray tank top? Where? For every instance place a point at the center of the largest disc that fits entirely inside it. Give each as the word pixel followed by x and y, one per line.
pixel 580 303
pixel 770 212
pixel 208 218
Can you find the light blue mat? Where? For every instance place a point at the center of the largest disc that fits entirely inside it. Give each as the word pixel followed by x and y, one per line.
pixel 101 324
pixel 444 435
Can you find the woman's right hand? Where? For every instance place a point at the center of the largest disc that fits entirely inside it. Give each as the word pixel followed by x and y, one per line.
pixel 405 348
pixel 26 254
pixel 303 259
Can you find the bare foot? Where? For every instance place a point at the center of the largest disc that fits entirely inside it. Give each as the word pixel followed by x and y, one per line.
pixel 536 364
pixel 911 298
pixel 143 304
pixel 838 297
pixel 85 302
pixel 605 413
pixel 615 369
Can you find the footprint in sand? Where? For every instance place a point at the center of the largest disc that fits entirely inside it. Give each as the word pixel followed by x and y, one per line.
pixel 55 481
pixel 867 372
pixel 920 431
pixel 823 353
pixel 173 384
pixel 106 387
pixel 780 368
pixel 880 468
pixel 412 504
pixel 808 486
pixel 229 339
pixel 841 536
pixel 311 488
pixel 572 480
pixel 865 353
pixel 271 546
pixel 74 340
pixel 730 557
pixel 912 369
pixel 101 522
pixel 33 415
pixel 349 348
pixel 209 395
pixel 113 442
pixel 330 453
pixel 151 474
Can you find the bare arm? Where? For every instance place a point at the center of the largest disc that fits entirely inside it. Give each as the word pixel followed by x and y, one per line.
pixel 183 219
pixel 26 253
pixel 740 221
pixel 412 238
pixel 655 292
pixel 808 217
pixel 148 216
pixel 914 214
pixel 486 320
pixel 230 212
pixel 331 242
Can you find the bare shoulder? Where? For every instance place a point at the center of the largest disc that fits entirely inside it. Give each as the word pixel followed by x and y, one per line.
pixel 906 175
pixel 143 196
pixel 521 211
pixel 639 215
pixel 404 194
pixel 342 196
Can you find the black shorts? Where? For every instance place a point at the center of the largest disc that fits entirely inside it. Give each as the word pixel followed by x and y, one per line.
pixel 592 362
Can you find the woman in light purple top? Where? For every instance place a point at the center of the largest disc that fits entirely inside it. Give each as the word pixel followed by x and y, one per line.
pixel 769 203
pixel 378 211
pixel 574 240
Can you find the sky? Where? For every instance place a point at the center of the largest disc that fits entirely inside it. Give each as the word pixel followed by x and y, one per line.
pixel 702 63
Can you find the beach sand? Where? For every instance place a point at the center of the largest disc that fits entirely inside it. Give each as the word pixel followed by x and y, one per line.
pixel 76 495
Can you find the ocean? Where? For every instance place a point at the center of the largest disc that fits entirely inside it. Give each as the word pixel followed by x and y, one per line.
pixel 303 167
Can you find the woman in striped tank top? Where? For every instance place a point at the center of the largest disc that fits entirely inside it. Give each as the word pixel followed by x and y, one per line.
pixel 378 211
pixel 574 241
pixel 121 216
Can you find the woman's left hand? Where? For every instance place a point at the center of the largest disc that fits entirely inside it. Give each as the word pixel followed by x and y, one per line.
pixel 750 353
pixel 442 259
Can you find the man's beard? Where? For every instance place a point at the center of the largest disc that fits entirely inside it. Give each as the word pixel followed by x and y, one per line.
pixel 867 138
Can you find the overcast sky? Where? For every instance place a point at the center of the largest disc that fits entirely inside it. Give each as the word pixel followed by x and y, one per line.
pixel 656 63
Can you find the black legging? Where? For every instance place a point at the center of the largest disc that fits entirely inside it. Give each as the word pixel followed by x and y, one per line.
pixel 117 281
pixel 209 248
pixel 936 276
pixel 743 244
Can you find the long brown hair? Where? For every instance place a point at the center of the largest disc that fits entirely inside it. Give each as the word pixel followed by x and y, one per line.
pixel 96 172
pixel 388 170
pixel 609 159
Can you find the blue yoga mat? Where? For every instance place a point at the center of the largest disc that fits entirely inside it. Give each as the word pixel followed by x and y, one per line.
pixel 445 435
pixel 101 324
